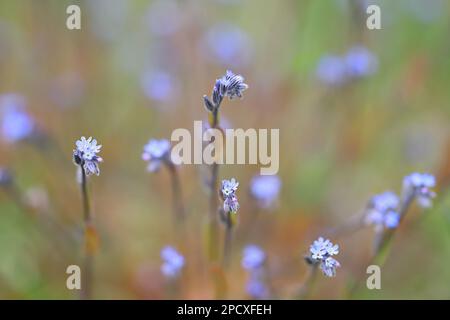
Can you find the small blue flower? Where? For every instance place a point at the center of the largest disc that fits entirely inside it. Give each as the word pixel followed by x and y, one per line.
pixel 173 262
pixel 16 123
pixel 331 70
pixel 253 257
pixel 85 155
pixel 360 62
pixel 231 204
pixel 382 211
pixel 155 153
pixel 265 189
pixel 229 187
pixel 321 251
pixel 329 266
pixel 228 191
pixel 419 185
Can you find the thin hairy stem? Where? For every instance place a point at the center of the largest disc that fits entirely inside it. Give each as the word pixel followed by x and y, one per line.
pixel 213 200
pixel 87 272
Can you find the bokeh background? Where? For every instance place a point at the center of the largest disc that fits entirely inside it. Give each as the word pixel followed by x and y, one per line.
pixel 138 69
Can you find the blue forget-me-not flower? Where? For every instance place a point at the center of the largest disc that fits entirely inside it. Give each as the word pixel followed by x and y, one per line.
pixel 85 155
pixel 228 192
pixel 321 251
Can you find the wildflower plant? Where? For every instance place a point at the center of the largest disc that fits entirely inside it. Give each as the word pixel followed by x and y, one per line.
pixel 85 156
pixel 230 85
pixel 386 211
pixel 157 153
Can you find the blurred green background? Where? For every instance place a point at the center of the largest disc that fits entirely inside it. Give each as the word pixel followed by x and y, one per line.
pixel 138 69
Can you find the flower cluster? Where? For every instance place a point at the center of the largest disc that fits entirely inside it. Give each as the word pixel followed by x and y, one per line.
pixel 383 211
pixel 265 189
pixel 322 251
pixel 228 191
pixel 336 70
pixel 173 262
pixel 85 155
pixel 253 260
pixel 419 185
pixel 230 85
pixel 156 152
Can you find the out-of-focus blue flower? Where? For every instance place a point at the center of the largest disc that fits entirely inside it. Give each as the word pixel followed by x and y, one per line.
pixel 16 124
pixel 158 85
pixel 419 185
pixel 5 177
pixel 155 153
pixel 360 62
pixel 257 289
pixel 391 219
pixel 331 70
pixel 385 201
pixel 85 155
pixel 382 211
pixel 321 251
pixel 253 257
pixel 265 189
pixel 173 262
pixel 227 44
